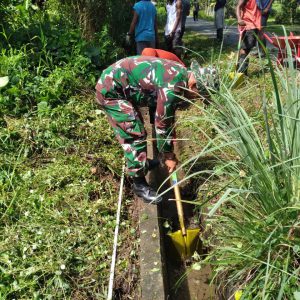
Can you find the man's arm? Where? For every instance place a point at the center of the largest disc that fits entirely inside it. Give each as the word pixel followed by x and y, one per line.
pixel 133 23
pixel 267 9
pixel 241 4
pixel 178 16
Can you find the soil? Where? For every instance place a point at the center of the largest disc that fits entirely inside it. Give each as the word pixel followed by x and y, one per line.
pixel 126 285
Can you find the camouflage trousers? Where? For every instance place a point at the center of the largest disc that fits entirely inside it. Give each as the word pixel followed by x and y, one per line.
pixel 128 127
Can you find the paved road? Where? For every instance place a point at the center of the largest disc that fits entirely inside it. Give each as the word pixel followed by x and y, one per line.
pixel 207 28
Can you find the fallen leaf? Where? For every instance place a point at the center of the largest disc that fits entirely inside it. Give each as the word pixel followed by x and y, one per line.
pixel 4 81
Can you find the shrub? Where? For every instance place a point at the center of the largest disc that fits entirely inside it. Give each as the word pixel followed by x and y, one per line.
pixel 288 12
pixel 161 16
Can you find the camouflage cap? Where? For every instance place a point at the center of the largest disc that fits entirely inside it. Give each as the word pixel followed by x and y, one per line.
pixel 207 77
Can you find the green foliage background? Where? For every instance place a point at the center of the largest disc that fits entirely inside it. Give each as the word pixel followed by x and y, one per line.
pixel 44 54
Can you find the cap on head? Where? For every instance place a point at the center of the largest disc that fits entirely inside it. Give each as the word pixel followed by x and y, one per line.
pixel 207 78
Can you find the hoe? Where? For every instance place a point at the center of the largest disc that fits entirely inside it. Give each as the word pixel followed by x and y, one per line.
pixel 184 240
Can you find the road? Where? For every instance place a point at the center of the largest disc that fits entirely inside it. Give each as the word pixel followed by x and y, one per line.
pixel 207 28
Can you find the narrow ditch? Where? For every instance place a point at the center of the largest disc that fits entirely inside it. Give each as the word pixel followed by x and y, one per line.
pixel 181 281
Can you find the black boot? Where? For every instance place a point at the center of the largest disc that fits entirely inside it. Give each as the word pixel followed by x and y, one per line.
pixel 143 190
pixel 152 164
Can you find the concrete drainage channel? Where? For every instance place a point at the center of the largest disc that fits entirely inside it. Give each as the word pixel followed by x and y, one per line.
pixel 163 274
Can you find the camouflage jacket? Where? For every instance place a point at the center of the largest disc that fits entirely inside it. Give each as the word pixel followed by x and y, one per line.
pixel 146 81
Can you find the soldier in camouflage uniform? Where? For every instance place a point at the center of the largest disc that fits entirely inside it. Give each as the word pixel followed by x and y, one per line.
pixel 144 81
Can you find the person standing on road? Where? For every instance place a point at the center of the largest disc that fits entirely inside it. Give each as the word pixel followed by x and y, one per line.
pixel 219 18
pixel 144 24
pixel 196 11
pixel 139 81
pixel 249 21
pixel 265 7
pixel 173 29
pixel 186 7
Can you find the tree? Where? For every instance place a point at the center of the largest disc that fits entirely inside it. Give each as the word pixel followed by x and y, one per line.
pixel 290 8
pixel 288 12
pixel 92 15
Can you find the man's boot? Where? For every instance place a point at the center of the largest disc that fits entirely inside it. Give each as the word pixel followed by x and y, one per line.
pixel 152 163
pixel 142 189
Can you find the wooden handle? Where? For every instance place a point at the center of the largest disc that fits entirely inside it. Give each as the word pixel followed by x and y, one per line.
pixel 178 203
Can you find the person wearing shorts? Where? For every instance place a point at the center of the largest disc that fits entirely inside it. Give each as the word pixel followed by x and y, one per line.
pixel 173 34
pixel 249 21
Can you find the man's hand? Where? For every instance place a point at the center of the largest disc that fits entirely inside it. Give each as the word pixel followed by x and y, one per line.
pixel 172 33
pixel 241 22
pixel 171 164
pixel 265 11
pixel 128 39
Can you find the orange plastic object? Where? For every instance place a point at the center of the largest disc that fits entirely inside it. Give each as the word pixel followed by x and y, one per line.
pixel 161 54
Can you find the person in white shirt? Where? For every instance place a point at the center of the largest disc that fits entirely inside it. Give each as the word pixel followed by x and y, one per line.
pixel 173 34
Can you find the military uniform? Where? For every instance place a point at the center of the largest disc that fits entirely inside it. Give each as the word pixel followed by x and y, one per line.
pixel 135 82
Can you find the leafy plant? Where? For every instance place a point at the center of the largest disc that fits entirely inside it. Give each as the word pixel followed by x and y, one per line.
pixel 51 135
pixel 288 12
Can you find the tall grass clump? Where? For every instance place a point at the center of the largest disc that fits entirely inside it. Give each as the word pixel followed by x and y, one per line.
pixel 253 223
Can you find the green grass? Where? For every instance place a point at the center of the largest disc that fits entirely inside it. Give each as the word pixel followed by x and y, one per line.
pixel 59 167
pixel 58 217
pixel 278 30
pixel 244 148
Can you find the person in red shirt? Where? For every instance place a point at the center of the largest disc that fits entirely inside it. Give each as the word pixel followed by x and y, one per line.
pixel 249 22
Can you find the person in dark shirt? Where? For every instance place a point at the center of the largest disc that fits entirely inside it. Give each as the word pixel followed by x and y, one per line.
pixel 196 11
pixel 186 7
pixel 219 18
pixel 265 7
